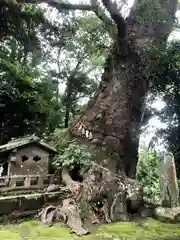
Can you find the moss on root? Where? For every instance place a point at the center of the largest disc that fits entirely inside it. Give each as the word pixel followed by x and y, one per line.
pixel 145 230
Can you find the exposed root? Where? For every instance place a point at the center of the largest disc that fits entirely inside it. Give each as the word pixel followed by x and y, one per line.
pixel 118 210
pixel 60 215
pixel 73 217
pixel 94 219
pixel 105 211
pixel 47 215
pixel 68 212
pixel 105 196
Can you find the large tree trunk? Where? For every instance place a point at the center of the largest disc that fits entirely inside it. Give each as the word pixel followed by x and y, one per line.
pixel 112 118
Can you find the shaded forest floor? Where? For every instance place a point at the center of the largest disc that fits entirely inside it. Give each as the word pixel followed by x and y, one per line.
pixel 143 230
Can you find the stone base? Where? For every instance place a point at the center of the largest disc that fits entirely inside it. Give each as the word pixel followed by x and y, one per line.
pixel 168 214
pixel 29 204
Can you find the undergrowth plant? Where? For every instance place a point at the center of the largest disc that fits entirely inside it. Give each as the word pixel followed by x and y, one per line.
pixel 73 156
pixel 147 175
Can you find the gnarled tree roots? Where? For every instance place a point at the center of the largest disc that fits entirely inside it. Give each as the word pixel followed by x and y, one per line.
pixel 101 197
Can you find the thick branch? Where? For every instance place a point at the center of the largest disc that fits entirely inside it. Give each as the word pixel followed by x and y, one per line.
pixel 106 20
pixel 150 28
pixel 178 6
pixel 59 4
pixel 62 5
pixel 117 17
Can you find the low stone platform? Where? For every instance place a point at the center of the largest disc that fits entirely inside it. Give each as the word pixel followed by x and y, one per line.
pixel 28 204
pixel 168 214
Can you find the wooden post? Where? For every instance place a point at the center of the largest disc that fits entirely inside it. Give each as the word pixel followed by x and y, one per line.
pixel 51 179
pixel 27 182
pixel 41 181
pixel 11 158
pixel 12 181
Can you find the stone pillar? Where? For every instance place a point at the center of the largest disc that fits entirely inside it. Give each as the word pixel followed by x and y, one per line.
pixel 168 181
pixel 162 181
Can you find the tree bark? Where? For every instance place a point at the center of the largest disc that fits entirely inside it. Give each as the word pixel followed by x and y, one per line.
pixel 68 105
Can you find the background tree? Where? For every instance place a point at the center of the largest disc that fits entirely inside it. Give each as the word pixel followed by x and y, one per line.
pixel 78 63
pixel 27 95
pixel 38 50
pixel 166 69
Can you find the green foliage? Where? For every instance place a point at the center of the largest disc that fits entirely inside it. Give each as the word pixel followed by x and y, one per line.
pixel 28 99
pixel 60 138
pixel 165 72
pixel 149 11
pixel 73 156
pixel 32 42
pixel 84 210
pixel 164 75
pixel 85 54
pixel 147 175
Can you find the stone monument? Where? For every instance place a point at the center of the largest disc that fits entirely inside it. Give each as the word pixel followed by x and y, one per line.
pixel 168 181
